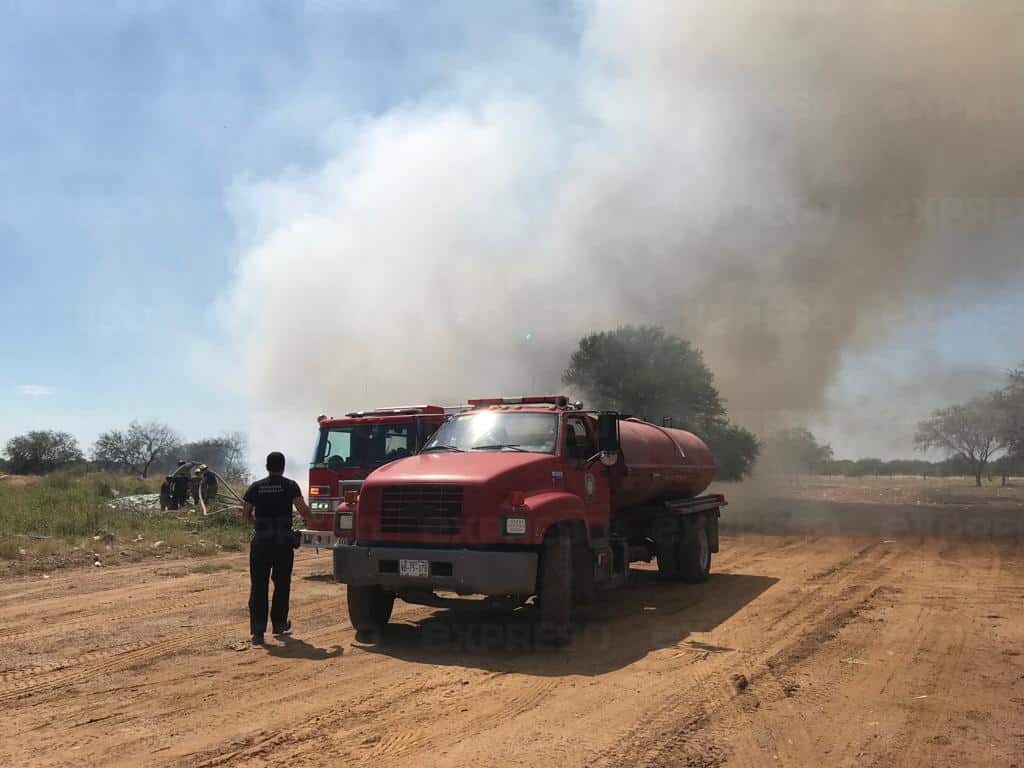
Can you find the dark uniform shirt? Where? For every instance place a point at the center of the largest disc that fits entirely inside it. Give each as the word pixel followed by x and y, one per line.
pixel 272 499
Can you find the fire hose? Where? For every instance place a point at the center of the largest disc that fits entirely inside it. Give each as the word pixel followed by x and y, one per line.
pixel 237 502
pixel 222 487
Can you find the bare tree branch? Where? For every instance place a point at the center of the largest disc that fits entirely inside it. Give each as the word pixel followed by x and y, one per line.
pixel 973 431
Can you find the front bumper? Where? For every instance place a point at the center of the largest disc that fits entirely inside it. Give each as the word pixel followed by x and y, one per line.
pixel 465 571
pixel 311 539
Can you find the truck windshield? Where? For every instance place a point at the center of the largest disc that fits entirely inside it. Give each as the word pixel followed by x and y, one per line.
pixel 363 446
pixel 497 431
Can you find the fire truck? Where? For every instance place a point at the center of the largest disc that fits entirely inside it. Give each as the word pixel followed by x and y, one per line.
pixel 350 448
pixel 528 496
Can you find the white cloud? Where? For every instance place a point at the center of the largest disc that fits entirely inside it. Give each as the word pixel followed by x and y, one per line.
pixel 35 390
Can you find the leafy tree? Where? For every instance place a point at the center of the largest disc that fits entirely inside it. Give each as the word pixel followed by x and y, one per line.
pixel 42 451
pixel 796 450
pixel 136 448
pixel 644 371
pixel 974 432
pixel 735 449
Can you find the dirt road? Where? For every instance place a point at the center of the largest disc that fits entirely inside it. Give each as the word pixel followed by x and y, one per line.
pixel 799 651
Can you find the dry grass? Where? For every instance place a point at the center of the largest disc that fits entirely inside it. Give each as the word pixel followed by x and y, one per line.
pixel 66 518
pixel 901 489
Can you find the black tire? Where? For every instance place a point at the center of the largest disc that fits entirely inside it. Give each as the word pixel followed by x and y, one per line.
pixel 556 588
pixel 695 555
pixel 667 554
pixel 369 608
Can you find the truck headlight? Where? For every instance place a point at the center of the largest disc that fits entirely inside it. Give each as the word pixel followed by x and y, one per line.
pixel 320 506
pixel 515 526
pixel 344 521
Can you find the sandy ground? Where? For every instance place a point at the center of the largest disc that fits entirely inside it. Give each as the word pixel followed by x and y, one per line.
pixel 801 650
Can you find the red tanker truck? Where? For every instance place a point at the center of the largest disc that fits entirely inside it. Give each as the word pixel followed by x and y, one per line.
pixel 349 449
pixel 522 497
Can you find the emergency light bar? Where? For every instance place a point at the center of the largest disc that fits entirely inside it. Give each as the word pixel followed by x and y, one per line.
pixel 558 400
pixel 402 410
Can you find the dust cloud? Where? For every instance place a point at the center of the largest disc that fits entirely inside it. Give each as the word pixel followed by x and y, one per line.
pixel 784 183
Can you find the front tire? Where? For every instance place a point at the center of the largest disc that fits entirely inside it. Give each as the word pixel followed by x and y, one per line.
pixel 556 588
pixel 369 608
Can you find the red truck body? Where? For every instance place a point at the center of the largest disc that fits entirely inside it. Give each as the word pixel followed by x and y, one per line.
pixel 512 491
pixel 348 449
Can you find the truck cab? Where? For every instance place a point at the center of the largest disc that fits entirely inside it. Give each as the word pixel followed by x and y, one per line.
pixel 348 449
pixel 527 496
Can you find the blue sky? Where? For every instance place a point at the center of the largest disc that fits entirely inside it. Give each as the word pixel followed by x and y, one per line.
pixel 130 127
pixel 125 127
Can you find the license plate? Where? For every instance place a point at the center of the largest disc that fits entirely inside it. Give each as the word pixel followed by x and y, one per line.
pixel 418 568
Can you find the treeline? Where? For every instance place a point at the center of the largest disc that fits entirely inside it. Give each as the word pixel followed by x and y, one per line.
pixel 1003 468
pixel 982 437
pixel 141 449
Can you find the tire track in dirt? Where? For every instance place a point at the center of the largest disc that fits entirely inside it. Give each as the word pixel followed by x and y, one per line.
pixel 89 666
pixel 351 718
pixel 425 736
pixel 59 625
pixel 654 689
pixel 679 722
pixel 108 580
pixel 947 643
pixel 683 720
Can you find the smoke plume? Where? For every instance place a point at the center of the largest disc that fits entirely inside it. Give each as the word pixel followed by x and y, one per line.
pixel 783 183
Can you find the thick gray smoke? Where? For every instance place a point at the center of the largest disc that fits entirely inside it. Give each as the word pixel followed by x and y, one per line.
pixel 782 182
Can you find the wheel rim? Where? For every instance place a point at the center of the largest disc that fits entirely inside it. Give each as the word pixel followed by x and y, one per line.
pixel 704 550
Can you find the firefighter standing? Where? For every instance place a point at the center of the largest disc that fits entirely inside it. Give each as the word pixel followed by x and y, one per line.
pixel 208 485
pixel 165 493
pixel 179 484
pixel 268 506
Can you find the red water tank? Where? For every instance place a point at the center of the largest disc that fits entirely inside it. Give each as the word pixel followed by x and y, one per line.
pixel 659 463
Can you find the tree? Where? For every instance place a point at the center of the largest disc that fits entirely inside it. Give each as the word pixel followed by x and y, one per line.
pixel 643 370
pixel 1008 466
pixel 136 448
pixel 1010 402
pixel 42 451
pixel 974 432
pixel 796 450
pixel 735 449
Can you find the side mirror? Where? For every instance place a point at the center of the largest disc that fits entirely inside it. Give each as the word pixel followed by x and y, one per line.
pixel 608 432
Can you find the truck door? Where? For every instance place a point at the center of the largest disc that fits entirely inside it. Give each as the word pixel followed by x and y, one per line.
pixel 590 483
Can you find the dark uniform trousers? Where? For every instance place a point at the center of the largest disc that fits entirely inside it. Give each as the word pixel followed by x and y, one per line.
pixel 270 557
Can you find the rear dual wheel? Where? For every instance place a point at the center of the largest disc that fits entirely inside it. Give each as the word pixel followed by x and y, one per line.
pixel 695 556
pixel 686 556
